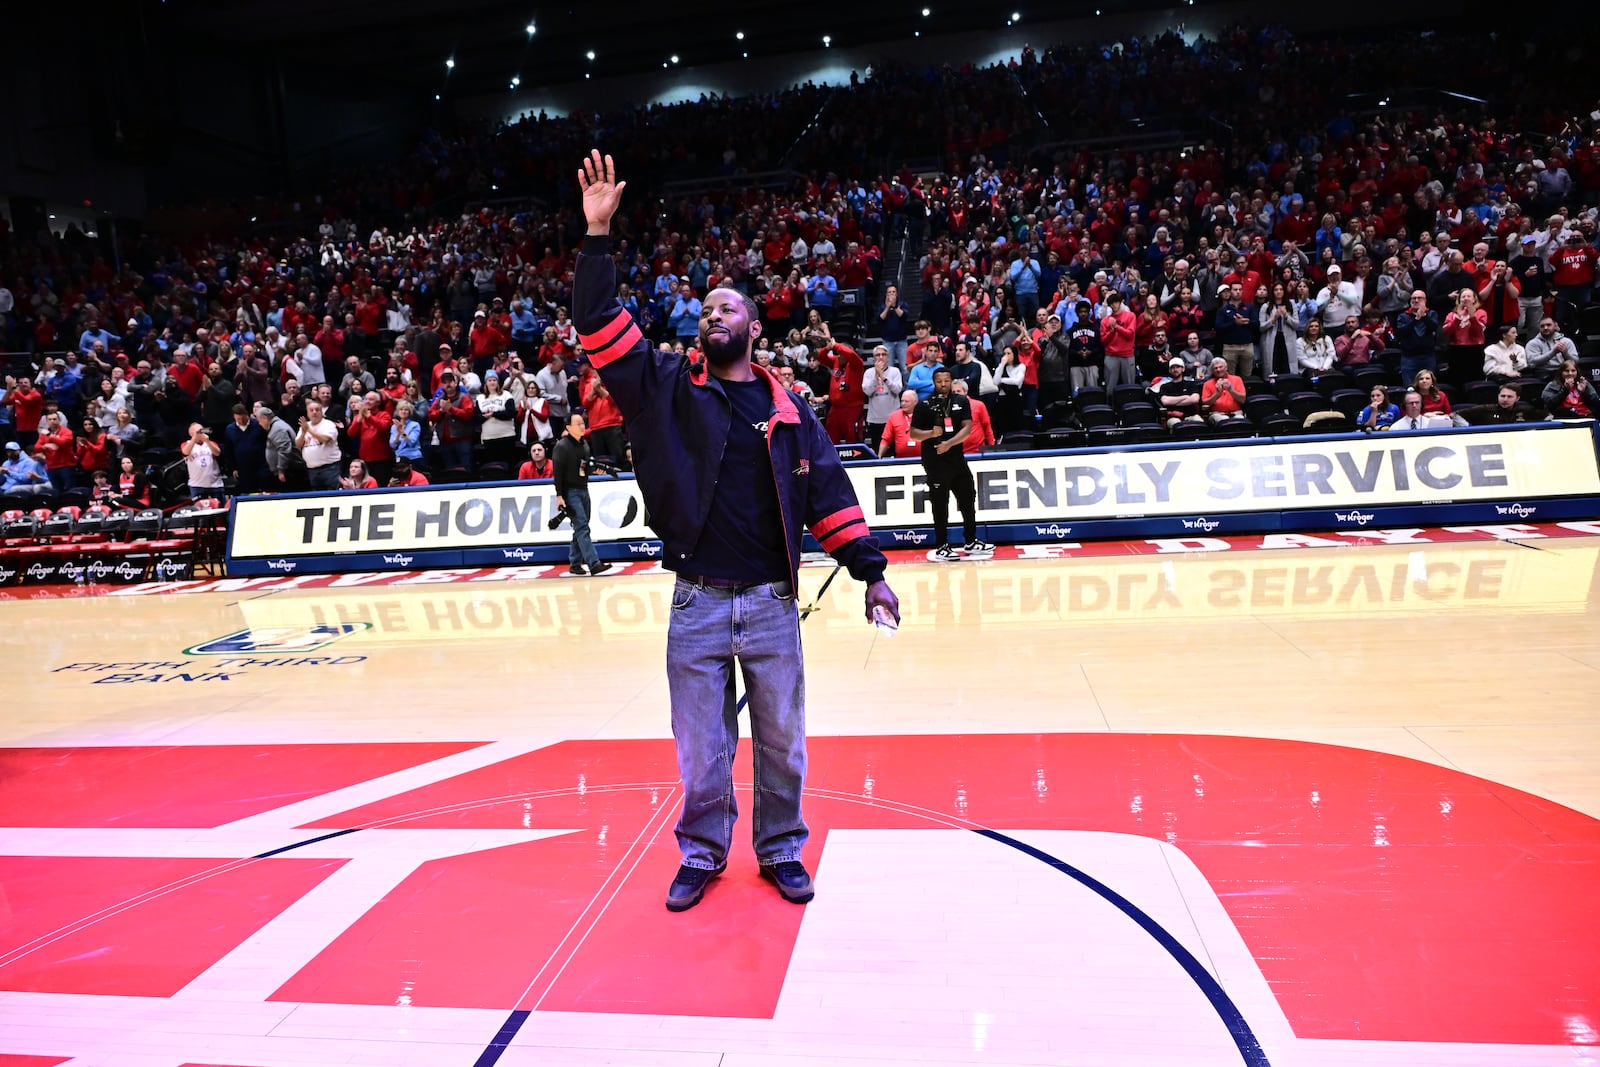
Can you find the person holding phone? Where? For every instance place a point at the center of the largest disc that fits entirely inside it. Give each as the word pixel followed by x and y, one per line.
pixel 732 468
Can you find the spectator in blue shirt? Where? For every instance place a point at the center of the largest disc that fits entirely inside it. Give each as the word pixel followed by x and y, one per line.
pixel 921 376
pixel 23 473
pixel 683 320
pixel 524 327
pixel 96 332
pixel 1024 275
pixel 821 290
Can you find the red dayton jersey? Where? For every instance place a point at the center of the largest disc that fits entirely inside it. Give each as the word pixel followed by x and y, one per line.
pixel 1573 265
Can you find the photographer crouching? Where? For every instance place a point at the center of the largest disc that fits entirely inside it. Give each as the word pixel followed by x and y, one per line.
pixel 572 467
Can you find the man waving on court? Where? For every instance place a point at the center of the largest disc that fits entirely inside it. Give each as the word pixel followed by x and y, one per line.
pixel 732 469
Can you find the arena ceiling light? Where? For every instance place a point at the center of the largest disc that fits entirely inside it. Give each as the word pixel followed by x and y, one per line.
pixel 827 42
pixel 739 36
pixel 450 64
pixel 516 80
pixel 531 28
pixel 927 11
pixel 589 55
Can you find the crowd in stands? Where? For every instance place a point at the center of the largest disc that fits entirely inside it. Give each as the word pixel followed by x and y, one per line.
pixel 387 340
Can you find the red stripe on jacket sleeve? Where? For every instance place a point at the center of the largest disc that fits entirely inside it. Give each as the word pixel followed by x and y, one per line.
pixel 829 523
pixel 850 531
pixel 618 347
pixel 604 335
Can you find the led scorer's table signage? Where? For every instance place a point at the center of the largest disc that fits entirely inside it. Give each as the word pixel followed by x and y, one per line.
pixel 1248 484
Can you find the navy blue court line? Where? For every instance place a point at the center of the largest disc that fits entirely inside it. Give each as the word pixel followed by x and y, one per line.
pixel 502 1040
pixel 1232 1017
pixel 303 844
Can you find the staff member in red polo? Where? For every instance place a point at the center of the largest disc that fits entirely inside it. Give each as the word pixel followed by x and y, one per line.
pixel 732 468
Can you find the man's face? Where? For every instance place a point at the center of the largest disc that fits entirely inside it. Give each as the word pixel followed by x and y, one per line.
pixel 1507 398
pixel 313 411
pixel 727 329
pixel 1219 368
pixel 941 382
pixel 53 422
pixel 786 376
pixel 1413 405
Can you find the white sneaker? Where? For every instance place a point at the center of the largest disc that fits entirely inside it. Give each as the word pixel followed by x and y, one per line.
pixel 976 548
pixel 946 553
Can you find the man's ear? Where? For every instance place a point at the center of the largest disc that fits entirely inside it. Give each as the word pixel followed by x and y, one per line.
pixel 755 333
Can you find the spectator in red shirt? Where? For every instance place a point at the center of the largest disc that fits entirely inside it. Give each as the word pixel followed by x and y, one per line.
pixel 845 397
pixel 982 435
pixel 94 453
pixel 603 416
pixel 897 440
pixel 58 447
pixel 369 429
pixel 538 464
pixel 27 412
pixel 1572 269
pixel 403 474
pixel 484 342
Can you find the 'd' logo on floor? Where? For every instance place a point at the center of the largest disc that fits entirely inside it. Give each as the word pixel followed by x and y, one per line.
pixel 278 639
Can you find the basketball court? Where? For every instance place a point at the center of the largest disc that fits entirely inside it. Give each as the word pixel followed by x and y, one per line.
pixel 1169 802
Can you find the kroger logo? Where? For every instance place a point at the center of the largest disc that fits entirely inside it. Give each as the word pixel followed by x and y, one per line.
pixel 6 574
pixel 171 568
pixel 522 555
pixel 101 569
pixel 645 549
pixel 916 537
pixel 40 571
pixel 1521 511
pixel 1360 518
pixel 1201 523
pixel 1053 530
pixel 285 565
pixel 399 559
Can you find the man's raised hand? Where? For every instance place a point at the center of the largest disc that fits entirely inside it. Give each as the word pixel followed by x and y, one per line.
pixel 601 191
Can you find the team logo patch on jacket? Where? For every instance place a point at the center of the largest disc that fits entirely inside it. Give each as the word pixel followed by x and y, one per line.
pixel 804 468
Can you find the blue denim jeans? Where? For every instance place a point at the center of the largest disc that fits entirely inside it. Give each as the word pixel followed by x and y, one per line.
pixel 758 626
pixel 581 551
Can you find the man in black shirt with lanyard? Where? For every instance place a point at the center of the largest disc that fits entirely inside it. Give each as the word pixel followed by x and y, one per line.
pixel 732 468
pixel 941 423
pixel 571 465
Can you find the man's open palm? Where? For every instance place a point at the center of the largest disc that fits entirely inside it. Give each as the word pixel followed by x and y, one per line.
pixel 601 190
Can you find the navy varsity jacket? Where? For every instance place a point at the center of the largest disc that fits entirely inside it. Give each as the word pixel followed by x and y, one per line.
pixel 678 418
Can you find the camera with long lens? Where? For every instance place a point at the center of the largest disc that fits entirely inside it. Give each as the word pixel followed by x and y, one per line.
pixel 562 515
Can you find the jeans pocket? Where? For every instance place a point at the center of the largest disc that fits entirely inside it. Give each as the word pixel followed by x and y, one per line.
pixel 683 595
pixel 782 598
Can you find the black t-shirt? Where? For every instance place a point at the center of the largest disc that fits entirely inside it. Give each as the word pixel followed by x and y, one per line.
pixel 1084 347
pixel 945 413
pixel 743 537
pixel 1180 387
pixel 1530 274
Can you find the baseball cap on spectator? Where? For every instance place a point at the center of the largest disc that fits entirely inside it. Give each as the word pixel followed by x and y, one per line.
pixel 1175 361
pixel 1529 239
pixel 1334 268
pixel 480 314
pixel 12 446
pixel 447 376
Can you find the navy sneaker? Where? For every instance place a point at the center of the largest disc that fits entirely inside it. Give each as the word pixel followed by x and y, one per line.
pixel 794 884
pixel 690 885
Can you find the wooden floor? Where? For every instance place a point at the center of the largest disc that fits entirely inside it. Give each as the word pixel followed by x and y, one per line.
pixel 1347 796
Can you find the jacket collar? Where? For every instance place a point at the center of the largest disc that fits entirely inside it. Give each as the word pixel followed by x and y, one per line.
pixel 783 402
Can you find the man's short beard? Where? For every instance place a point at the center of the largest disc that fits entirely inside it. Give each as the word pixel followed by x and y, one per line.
pixel 726 350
